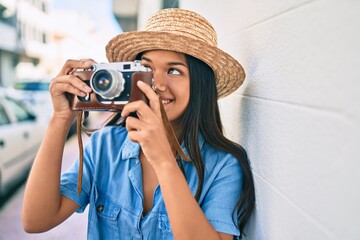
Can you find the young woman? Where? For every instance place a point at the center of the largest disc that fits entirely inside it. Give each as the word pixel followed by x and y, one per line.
pixel 135 186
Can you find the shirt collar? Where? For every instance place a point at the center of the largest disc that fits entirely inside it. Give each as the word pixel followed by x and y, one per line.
pixel 131 149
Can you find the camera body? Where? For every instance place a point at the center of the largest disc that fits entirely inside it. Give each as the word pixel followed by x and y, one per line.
pixel 113 84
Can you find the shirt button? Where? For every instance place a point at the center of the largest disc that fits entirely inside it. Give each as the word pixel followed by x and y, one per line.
pixel 100 208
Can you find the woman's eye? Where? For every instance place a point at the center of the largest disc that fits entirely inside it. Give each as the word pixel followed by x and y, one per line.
pixel 173 71
pixel 147 66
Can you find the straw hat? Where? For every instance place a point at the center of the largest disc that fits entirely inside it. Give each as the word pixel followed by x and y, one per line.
pixel 185 32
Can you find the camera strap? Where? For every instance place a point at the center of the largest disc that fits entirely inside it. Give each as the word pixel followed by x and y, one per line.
pixel 171 136
pixel 82 115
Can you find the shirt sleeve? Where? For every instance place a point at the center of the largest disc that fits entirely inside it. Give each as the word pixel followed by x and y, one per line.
pixel 69 178
pixel 222 195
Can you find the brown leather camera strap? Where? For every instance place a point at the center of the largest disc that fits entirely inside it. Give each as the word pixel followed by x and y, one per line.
pixel 172 138
pixel 81 150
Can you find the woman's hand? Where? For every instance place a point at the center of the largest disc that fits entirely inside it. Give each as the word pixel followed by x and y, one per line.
pixel 64 83
pixel 148 129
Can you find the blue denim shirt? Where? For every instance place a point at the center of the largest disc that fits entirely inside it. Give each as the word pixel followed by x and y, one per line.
pixel 112 187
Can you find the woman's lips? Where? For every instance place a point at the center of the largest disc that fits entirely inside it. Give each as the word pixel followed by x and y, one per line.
pixel 165 100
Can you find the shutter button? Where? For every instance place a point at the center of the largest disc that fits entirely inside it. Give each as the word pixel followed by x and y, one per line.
pixel 100 208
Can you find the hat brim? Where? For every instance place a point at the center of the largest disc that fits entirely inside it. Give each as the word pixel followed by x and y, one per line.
pixel 228 71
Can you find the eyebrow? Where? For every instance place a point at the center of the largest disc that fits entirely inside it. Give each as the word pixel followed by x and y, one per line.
pixel 169 63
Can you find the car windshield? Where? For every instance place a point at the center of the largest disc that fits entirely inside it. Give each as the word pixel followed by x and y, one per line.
pixel 3 117
pixel 32 86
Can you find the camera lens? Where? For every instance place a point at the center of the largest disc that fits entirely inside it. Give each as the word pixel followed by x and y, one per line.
pixel 107 83
pixel 102 81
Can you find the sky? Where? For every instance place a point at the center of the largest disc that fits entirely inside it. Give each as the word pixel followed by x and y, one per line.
pixel 99 11
pixel 102 20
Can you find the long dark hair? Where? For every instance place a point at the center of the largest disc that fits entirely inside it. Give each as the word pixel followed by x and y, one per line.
pixel 203 114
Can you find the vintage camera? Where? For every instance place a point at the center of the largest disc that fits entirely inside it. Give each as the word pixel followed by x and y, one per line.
pixel 113 84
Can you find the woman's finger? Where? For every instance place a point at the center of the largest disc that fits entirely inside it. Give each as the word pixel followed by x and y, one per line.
pixel 151 95
pixel 134 136
pixel 142 133
pixel 71 64
pixel 133 124
pixel 62 87
pixel 140 107
pixel 69 82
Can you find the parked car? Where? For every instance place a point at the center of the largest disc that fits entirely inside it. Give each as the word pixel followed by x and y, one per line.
pixel 36 95
pixel 20 137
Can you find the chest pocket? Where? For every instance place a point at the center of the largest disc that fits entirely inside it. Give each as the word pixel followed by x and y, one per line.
pixel 107 217
pixel 106 208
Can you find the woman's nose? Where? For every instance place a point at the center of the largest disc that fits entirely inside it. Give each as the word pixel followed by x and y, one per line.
pixel 160 82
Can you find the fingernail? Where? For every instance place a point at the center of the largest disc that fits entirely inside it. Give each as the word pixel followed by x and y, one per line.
pixel 83 94
pixel 87 88
pixel 140 83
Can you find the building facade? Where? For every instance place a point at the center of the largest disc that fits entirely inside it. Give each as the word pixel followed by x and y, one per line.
pixel 36 41
pixel 132 14
pixel 25 33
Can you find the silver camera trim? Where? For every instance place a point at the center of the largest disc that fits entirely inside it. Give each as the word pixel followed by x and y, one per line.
pixel 115 69
pixel 135 66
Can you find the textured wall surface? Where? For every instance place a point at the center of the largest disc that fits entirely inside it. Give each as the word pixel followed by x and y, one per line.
pixel 298 112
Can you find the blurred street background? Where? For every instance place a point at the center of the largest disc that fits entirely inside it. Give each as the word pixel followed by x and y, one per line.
pixel 36 38
pixel 10 210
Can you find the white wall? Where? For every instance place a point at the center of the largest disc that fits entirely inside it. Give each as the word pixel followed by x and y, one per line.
pixel 146 9
pixel 298 112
